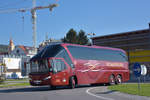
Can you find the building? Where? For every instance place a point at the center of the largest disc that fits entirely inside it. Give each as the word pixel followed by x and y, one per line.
pixel 48 42
pixel 13 66
pixel 16 59
pixel 135 43
pixel 21 50
pixel 3 49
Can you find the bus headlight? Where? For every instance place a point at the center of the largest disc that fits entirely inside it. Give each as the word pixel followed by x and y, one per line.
pixel 47 78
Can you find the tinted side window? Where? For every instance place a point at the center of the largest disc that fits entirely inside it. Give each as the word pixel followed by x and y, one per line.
pixel 58 65
pixel 96 54
pixel 63 54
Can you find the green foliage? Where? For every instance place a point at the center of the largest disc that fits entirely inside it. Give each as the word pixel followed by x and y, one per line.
pixel 132 89
pixel 25 79
pixel 73 37
pixel 2 79
pixel 82 38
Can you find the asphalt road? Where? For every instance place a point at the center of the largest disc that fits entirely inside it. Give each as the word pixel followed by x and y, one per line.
pixel 80 93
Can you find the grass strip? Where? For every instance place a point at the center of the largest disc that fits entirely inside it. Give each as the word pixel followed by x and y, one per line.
pixel 132 88
pixel 14 85
pixel 16 79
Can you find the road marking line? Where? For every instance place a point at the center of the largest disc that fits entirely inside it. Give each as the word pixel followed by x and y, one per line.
pixel 100 97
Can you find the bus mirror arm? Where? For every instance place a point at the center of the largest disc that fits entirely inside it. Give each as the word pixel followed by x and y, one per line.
pixel 50 70
pixel 54 71
pixel 72 66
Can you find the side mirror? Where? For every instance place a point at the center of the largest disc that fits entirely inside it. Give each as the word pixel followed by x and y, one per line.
pixel 55 70
pixel 50 70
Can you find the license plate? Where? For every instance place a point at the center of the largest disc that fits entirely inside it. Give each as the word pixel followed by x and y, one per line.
pixel 37 81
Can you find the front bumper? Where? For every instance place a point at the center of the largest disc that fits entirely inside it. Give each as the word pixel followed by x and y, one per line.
pixel 39 82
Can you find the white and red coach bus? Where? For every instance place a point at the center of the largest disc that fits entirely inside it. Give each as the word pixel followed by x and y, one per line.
pixel 70 65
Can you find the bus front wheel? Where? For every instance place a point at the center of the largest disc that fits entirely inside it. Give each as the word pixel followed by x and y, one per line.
pixel 72 82
pixel 53 87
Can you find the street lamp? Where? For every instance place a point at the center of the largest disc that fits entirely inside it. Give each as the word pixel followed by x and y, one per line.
pixel 90 38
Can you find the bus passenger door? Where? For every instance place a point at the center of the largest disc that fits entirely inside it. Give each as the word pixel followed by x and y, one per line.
pixel 60 72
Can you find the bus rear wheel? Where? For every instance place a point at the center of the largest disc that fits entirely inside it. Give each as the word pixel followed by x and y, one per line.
pixel 72 83
pixel 111 80
pixel 118 79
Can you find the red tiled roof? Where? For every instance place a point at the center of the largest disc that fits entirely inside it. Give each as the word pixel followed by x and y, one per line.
pixel 25 48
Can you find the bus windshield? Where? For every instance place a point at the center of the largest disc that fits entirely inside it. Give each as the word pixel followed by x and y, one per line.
pixel 39 66
pixel 47 52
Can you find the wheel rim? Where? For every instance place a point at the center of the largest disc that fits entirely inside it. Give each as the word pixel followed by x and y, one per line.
pixel 112 80
pixel 119 79
pixel 73 83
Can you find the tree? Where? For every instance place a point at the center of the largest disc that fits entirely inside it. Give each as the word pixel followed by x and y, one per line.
pixel 82 38
pixel 73 37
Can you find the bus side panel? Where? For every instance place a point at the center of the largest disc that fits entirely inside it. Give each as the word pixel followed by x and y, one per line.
pixel 126 75
pixel 89 78
pixel 82 78
pixel 90 71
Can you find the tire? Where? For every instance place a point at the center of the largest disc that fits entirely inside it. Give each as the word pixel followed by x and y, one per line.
pixel 53 87
pixel 96 84
pixel 93 84
pixel 111 80
pixel 118 79
pixel 72 83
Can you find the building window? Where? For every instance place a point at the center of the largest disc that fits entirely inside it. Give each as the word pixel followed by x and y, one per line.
pixel 17 51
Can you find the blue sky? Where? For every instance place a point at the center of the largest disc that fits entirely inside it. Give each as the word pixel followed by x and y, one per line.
pixel 101 17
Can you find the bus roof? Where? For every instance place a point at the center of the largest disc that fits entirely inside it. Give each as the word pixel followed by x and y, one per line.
pixel 54 50
pixel 93 46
